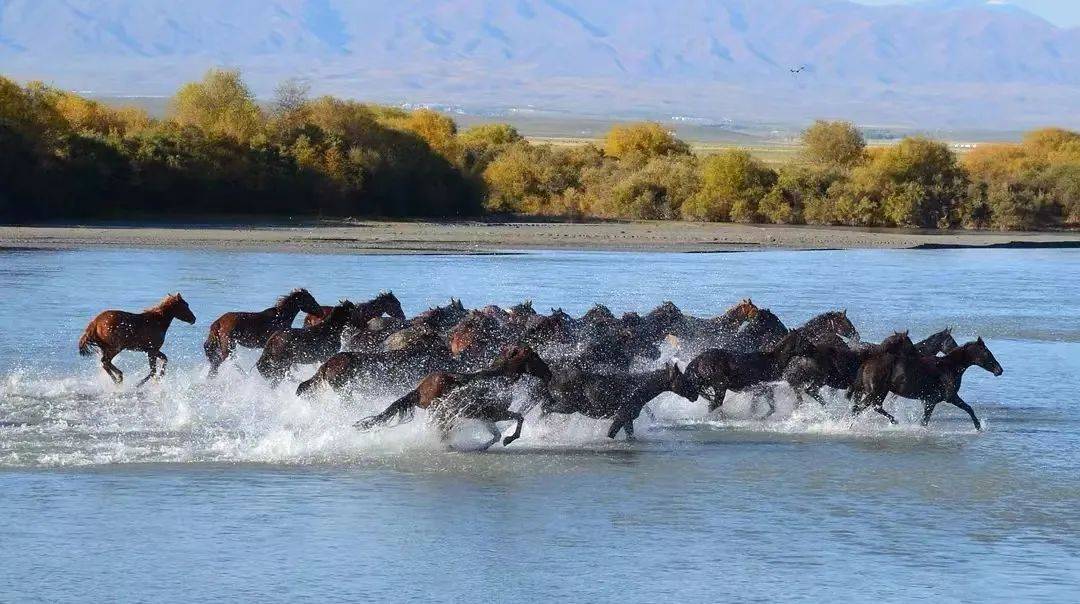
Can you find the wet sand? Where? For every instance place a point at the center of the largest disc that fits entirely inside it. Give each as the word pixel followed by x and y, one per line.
pixel 366 237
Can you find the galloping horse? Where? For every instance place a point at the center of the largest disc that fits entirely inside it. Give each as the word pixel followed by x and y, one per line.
pixel 478 395
pixel 293 346
pixel 385 302
pixel 253 329
pixel 716 371
pixel 115 330
pixel 930 379
pixel 835 364
pixel 619 396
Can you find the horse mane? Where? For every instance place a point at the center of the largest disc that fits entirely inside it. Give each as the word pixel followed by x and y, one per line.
pixel 165 303
pixel 825 316
pixel 283 299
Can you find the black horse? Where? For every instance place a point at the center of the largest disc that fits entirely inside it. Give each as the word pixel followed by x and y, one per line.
pixel 716 370
pixel 620 396
pixel 930 379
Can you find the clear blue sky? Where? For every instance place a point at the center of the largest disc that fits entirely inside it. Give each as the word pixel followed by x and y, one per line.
pixel 1061 12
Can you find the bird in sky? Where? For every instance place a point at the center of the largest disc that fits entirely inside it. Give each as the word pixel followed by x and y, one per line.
pixel 798 70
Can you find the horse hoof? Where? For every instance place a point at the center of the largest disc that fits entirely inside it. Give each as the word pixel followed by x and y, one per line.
pixel 508 440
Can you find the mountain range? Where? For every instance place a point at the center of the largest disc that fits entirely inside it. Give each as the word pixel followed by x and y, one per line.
pixel 943 63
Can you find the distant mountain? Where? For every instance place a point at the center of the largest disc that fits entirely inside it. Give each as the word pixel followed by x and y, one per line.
pixel 938 63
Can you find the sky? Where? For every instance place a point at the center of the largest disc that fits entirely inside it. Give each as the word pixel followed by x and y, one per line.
pixel 1065 13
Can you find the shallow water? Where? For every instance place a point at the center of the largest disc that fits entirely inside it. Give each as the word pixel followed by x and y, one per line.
pixel 189 490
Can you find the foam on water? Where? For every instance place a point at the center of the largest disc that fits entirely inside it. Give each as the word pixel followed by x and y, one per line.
pixel 83 419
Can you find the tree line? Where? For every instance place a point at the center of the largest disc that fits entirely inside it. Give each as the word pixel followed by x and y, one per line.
pixel 220 152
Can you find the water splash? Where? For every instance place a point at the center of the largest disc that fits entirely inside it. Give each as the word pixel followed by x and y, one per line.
pixel 83 419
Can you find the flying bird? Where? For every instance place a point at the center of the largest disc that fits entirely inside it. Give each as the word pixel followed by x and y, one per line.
pixel 799 70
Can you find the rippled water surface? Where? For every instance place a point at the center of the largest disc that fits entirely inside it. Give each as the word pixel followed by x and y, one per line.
pixel 190 490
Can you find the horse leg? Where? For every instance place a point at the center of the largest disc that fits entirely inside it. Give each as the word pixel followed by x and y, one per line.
pixel 959 402
pixel 815 393
pixel 495 434
pixel 219 355
pixel 877 401
pixel 621 421
pixel 164 363
pixel 765 391
pixel 152 358
pixel 928 410
pixel 111 370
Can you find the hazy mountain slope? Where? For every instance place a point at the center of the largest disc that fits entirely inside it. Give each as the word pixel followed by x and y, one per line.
pixel 949 61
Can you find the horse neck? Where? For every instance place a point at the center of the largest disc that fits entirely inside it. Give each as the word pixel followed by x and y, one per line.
pixel 162 314
pixel 817 325
pixel 931 345
pixel 653 383
pixel 289 307
pixel 368 310
pixel 958 360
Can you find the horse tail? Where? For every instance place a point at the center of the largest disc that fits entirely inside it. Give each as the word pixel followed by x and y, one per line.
pixel 87 341
pixel 401 408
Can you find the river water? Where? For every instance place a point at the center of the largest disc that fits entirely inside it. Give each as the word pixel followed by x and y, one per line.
pixel 189 490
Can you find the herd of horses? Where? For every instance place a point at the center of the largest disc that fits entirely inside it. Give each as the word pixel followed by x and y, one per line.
pixel 461 363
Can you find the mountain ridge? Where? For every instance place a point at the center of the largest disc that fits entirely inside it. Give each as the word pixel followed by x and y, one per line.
pixel 944 62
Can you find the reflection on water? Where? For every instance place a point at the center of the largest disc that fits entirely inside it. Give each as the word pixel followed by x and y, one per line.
pixel 231 490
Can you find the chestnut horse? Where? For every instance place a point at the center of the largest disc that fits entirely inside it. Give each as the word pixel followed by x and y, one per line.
pixel 115 330
pixel 478 395
pixel 385 302
pixel 253 329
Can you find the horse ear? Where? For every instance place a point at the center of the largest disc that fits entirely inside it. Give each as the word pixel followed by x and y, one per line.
pixel 844 312
pixel 979 340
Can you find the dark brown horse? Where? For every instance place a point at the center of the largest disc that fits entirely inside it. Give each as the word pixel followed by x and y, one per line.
pixel 385 302
pixel 620 397
pixel 716 370
pixel 835 364
pixel 115 330
pixel 253 329
pixel 293 346
pixel 930 379
pixel 481 395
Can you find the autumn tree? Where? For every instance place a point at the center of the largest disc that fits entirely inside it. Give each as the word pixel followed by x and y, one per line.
pixel 642 140
pixel 221 104
pixel 833 144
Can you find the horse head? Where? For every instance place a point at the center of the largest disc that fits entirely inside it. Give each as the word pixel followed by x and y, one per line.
pixel 899 343
pixel 521 360
pixel 943 341
pixel 680 383
pixel 522 311
pixel 303 300
pixel 741 312
pixel 390 305
pixel 599 314
pixel 340 314
pixel 979 354
pixel 177 308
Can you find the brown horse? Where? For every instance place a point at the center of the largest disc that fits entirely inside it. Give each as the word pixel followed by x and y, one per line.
pixel 293 346
pixel 115 330
pixel 930 379
pixel 385 302
pixel 478 395
pixel 253 329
